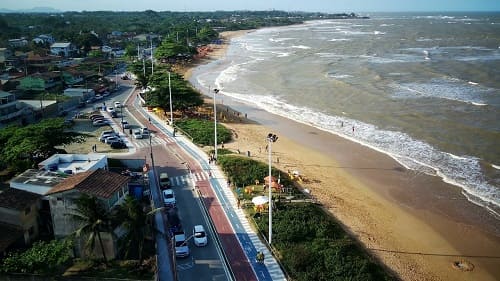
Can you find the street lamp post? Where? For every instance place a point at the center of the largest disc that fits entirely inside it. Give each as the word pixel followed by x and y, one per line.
pixel 270 138
pixel 170 96
pixel 215 122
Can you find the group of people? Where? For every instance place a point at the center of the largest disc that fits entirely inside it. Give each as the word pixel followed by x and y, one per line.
pixel 260 257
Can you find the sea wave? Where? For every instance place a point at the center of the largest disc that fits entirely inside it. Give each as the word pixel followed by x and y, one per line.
pixel 463 171
pixel 450 89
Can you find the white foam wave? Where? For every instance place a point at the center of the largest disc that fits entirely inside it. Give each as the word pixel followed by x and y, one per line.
pixel 339 39
pixel 280 39
pixel 450 89
pixel 301 47
pixel 462 171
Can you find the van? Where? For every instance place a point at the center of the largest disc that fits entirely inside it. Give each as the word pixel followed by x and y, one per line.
pixel 164 181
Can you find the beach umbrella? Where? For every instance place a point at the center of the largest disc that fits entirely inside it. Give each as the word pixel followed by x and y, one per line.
pixel 260 200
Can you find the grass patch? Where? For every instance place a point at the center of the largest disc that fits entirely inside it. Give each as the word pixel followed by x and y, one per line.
pixel 202 131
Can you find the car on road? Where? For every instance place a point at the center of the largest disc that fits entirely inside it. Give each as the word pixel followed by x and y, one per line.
pixel 145 132
pixel 169 198
pixel 181 245
pixel 110 109
pixel 125 124
pixel 200 236
pixel 118 104
pixel 164 181
pixel 137 134
pixel 117 144
pixel 114 114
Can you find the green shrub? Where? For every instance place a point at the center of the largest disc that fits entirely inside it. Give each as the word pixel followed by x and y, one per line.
pixel 202 131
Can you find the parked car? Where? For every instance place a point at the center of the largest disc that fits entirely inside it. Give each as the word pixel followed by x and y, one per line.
pixel 137 134
pixel 98 97
pixel 110 109
pixel 181 245
pixel 103 136
pixel 110 139
pixel 81 104
pixel 169 198
pixel 92 116
pixel 118 104
pixel 114 114
pixel 125 124
pixel 118 144
pixel 145 132
pixel 99 123
pixel 199 236
pixel 97 118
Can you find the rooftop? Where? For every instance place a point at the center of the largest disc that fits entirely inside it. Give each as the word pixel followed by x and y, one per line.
pixel 99 183
pixel 76 163
pixel 40 177
pixel 17 199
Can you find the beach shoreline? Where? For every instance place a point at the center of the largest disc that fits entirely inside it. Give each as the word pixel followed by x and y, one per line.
pixel 405 219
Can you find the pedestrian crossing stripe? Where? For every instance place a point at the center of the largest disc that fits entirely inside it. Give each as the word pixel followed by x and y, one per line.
pixel 145 142
pixel 187 178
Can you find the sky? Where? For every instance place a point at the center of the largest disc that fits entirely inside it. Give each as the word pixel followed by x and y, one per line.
pixel 329 6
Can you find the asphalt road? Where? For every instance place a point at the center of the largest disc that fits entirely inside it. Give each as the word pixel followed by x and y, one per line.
pixel 204 263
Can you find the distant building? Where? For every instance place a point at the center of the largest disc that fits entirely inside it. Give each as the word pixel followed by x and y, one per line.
pixel 18 218
pixel 10 108
pixel 16 43
pixel 44 39
pixel 81 93
pixel 63 49
pixel 41 81
pixel 4 54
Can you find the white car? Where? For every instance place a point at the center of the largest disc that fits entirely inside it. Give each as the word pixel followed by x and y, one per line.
pixel 103 137
pixel 181 245
pixel 137 134
pixel 110 109
pixel 99 122
pixel 169 198
pixel 199 236
pixel 118 104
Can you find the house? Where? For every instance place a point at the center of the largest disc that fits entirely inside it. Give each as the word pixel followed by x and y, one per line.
pixel 63 49
pixel 81 93
pixel 4 54
pixel 44 39
pixel 41 81
pixel 72 77
pixel 18 218
pixel 18 42
pixel 55 169
pixel 10 108
pixel 108 187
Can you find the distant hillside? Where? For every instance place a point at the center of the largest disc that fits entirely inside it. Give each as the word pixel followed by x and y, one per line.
pixel 32 10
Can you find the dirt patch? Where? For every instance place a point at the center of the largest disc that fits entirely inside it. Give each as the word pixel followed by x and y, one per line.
pixel 84 126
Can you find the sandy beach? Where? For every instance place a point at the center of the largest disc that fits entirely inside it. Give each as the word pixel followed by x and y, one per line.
pixel 417 225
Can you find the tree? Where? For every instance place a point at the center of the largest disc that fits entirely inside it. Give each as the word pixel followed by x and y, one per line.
pixel 19 144
pixel 93 219
pixel 132 216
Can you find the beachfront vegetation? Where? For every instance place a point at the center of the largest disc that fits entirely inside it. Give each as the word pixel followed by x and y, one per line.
pixel 202 131
pixel 309 243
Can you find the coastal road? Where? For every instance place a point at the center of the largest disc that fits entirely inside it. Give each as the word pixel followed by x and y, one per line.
pixel 205 262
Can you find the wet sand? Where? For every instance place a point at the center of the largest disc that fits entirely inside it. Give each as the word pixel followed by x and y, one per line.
pixel 419 226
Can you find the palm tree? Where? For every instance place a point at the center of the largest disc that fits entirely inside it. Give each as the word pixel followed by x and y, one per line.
pixel 132 216
pixel 92 218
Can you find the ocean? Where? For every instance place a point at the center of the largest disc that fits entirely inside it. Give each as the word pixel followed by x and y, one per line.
pixel 423 88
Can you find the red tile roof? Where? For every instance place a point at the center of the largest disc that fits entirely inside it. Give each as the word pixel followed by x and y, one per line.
pixel 98 183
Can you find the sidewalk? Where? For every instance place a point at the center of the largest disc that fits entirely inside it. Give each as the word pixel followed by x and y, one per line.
pixel 247 238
